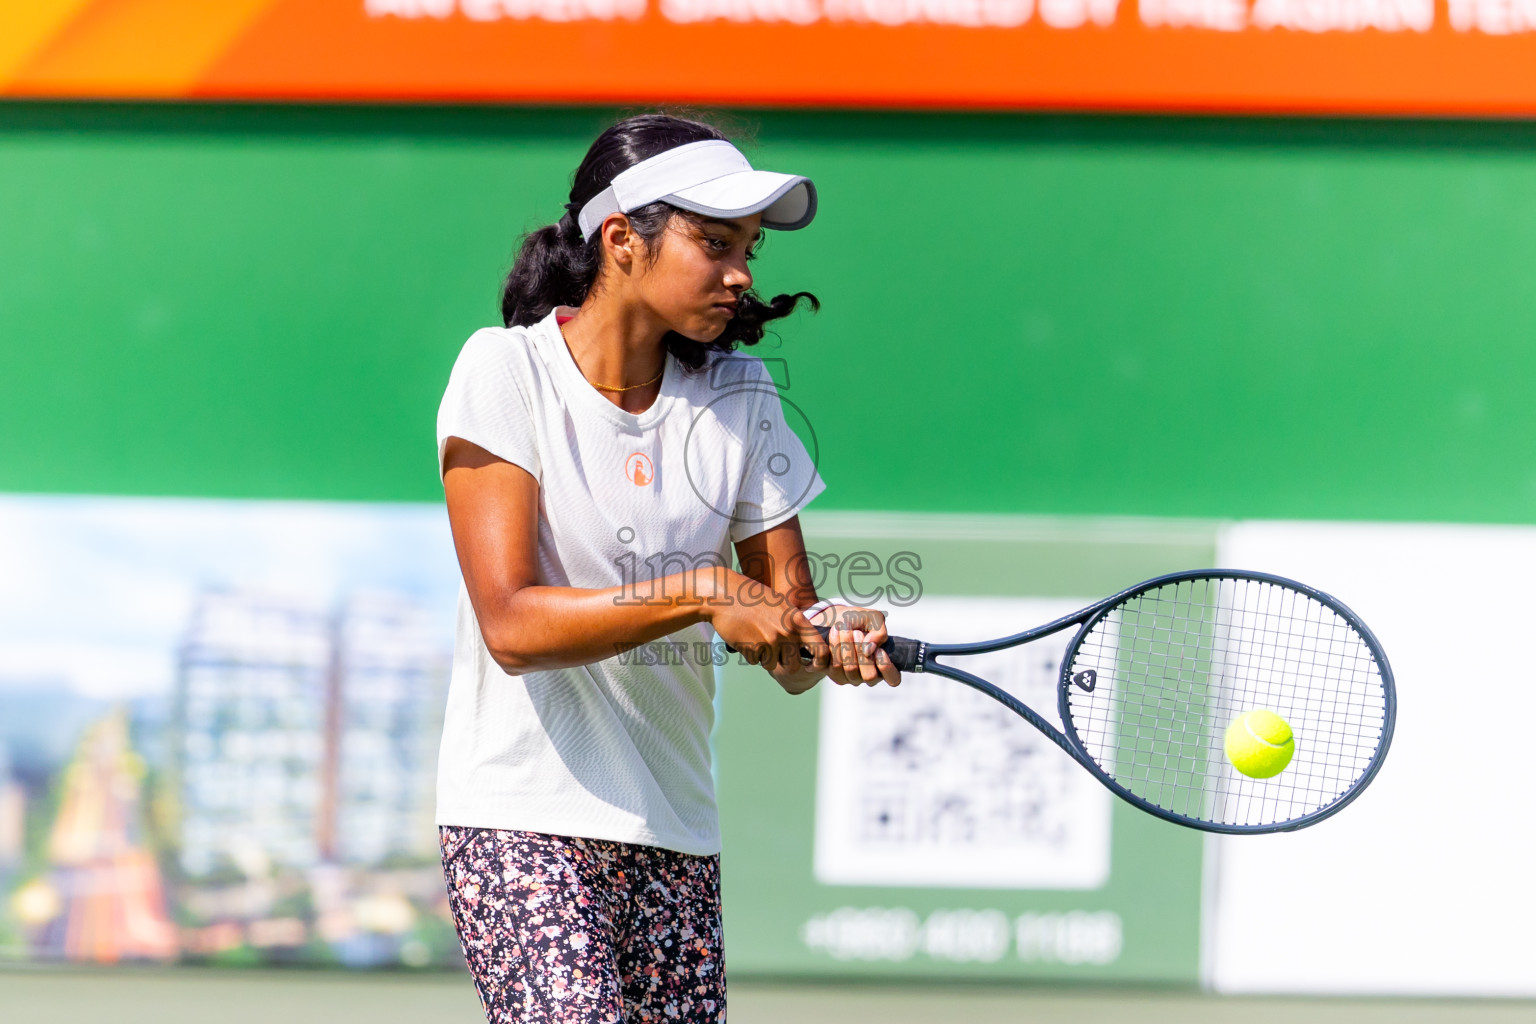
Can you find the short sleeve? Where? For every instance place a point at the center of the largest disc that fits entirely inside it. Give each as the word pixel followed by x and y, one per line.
pixel 487 401
pixel 779 477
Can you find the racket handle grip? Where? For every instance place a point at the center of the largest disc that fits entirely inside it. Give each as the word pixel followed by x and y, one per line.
pixel 905 653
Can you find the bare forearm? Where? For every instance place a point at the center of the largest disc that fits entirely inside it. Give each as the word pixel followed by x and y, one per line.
pixel 539 628
pixel 776 558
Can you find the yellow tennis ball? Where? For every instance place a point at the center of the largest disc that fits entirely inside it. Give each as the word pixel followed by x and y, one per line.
pixel 1259 744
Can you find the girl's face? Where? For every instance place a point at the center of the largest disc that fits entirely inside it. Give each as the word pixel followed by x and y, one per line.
pixel 697 273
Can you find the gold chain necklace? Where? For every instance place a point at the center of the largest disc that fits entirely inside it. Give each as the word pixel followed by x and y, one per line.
pixel 631 387
pixel 610 387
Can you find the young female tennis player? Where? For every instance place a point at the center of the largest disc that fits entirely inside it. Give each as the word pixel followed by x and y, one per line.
pixel 600 455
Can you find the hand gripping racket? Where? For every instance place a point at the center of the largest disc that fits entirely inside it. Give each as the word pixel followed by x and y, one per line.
pixel 1156 674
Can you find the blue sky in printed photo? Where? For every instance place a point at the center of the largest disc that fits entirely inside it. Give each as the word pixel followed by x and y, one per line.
pixel 96 592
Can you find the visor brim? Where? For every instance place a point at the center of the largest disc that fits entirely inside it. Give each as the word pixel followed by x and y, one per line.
pixel 786 201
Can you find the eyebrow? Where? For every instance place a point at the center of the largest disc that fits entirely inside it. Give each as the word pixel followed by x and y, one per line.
pixel 731 226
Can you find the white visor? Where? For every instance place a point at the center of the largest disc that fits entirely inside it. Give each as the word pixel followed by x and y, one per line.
pixel 711 178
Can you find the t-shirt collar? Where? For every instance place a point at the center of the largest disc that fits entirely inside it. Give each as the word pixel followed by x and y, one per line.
pixel 574 383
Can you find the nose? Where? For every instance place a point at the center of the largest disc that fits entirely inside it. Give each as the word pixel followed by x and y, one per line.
pixel 738 278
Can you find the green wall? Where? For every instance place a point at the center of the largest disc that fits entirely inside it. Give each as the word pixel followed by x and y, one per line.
pixel 1036 314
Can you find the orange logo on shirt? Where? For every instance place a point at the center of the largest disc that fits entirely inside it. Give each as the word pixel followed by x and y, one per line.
pixel 638 468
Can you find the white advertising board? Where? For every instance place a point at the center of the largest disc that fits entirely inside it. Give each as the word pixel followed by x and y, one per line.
pixel 1427 883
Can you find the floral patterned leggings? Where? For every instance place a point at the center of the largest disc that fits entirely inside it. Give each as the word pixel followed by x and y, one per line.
pixel 559 930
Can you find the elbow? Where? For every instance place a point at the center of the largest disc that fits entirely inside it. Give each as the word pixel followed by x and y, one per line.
pixel 511 665
pixel 508 650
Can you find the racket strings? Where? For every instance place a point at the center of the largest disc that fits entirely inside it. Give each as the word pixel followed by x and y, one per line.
pixel 1177 664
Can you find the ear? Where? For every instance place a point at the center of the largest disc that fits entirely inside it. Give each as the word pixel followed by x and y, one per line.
pixel 620 240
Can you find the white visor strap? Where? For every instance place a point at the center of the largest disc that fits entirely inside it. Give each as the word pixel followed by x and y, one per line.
pixel 658 177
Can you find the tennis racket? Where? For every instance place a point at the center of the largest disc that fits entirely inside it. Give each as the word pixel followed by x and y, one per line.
pixel 1156 674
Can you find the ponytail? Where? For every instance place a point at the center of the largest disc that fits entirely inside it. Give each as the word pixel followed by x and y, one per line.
pixel 555 267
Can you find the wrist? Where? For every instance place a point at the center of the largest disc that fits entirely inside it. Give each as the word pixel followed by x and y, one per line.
pixel 816 609
pixel 714 587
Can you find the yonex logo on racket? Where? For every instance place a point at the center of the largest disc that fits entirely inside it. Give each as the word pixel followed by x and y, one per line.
pixel 1086 680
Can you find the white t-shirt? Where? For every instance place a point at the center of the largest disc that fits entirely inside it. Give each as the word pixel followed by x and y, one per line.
pixel 618 749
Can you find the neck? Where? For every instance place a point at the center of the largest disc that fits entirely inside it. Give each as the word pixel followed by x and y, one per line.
pixel 618 345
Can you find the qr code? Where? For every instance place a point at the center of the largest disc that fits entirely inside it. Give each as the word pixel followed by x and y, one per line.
pixel 934 784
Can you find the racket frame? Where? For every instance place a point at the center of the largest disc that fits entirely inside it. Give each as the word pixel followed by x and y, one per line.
pixel 917 656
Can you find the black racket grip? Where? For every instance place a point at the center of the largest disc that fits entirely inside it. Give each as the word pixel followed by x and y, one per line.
pixel 905 653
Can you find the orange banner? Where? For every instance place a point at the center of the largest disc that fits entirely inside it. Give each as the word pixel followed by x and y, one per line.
pixel 1474 57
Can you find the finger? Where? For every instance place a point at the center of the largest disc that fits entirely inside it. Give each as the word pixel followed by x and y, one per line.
pixel 851 618
pixel 810 638
pixel 789 654
pixel 868 628
pixel 841 650
pixel 823 653
pixel 851 656
pixel 878 659
pixel 838 675
pixel 864 653
pixel 888 670
pixel 865 619
pixel 821 656
pixel 835 670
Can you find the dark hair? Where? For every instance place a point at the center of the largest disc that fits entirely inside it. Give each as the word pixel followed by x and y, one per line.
pixel 554 267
